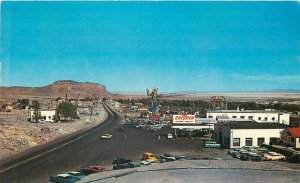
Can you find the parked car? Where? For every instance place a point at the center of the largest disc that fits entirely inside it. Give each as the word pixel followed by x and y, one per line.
pixel 134 164
pixel 64 178
pixel 270 156
pixel 121 166
pixel 231 152
pixel 169 136
pixel 91 169
pixel 211 144
pixel 121 161
pixel 77 174
pixel 255 157
pixel 145 162
pixel 167 157
pixel 106 136
pixel 148 155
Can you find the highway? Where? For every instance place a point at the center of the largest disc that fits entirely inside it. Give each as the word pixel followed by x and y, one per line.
pixel 87 148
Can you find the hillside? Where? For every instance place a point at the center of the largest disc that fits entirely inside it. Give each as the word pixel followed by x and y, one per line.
pixel 58 89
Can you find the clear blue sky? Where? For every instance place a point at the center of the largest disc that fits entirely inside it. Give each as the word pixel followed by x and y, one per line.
pixel 131 46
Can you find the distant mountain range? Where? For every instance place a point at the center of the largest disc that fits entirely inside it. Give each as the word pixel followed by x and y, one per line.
pixel 75 89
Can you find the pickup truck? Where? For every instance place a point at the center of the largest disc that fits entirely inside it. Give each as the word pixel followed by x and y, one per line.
pixel 211 144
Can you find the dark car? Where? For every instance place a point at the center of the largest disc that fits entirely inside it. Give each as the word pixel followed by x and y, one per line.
pixel 121 161
pixel 245 157
pixel 121 166
pixel 168 157
pixel 134 164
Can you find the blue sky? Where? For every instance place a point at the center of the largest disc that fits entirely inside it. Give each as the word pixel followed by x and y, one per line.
pixel 131 46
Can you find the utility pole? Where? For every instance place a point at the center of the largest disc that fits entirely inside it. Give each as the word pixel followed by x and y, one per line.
pixel 209 137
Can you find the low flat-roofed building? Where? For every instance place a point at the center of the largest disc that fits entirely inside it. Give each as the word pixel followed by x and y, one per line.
pixel 45 115
pixel 260 116
pixel 235 134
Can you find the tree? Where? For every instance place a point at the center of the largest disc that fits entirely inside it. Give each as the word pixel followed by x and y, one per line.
pixel 36 107
pixel 67 110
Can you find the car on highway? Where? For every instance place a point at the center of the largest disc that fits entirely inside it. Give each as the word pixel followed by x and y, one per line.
pixel 121 161
pixel 91 169
pixel 167 157
pixel 106 136
pixel 64 178
pixel 211 144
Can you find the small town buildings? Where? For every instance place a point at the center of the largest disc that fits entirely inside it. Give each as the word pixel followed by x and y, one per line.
pixel 260 116
pixel 235 134
pixel 45 115
pixel 291 136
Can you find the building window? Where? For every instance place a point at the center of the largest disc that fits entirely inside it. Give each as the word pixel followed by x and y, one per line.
pixel 292 139
pixel 248 142
pixel 242 117
pixel 233 116
pixel 259 118
pixel 273 118
pixel 266 118
pixel 236 142
pixel 273 140
pixel 260 141
pixel 250 117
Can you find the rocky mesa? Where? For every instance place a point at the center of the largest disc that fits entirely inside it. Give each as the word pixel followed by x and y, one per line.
pixel 59 88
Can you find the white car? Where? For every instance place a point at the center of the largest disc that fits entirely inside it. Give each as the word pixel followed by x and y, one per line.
pixel 106 136
pixel 169 136
pixel 145 162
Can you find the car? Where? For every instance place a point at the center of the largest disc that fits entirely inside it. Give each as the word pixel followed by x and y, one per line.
pixel 77 174
pixel 64 178
pixel 134 164
pixel 148 155
pixel 121 161
pixel 91 169
pixel 145 162
pixel 255 157
pixel 270 156
pixel 167 157
pixel 121 166
pixel 106 136
pixel 211 144
pixel 169 136
pixel 231 152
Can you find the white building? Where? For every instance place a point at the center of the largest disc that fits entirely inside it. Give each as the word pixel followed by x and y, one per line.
pixel 45 115
pixel 234 134
pixel 260 116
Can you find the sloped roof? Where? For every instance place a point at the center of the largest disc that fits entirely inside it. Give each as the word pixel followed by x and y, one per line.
pixel 293 131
